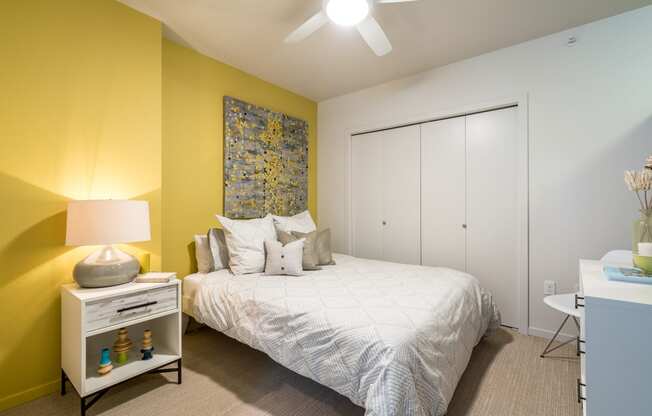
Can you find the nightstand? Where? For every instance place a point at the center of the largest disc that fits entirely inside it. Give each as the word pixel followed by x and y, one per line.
pixel 90 320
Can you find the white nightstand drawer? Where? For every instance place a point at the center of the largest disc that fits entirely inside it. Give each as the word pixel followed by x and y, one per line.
pixel 118 309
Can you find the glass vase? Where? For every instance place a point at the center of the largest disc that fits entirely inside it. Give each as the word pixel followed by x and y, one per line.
pixel 642 232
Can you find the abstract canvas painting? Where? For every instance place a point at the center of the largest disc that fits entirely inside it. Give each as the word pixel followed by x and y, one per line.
pixel 265 161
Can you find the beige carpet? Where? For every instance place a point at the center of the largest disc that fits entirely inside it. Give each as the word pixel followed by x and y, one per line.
pixel 223 377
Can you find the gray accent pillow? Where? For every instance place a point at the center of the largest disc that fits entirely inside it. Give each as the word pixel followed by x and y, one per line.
pixel 316 250
pixel 283 259
pixel 203 254
pixel 323 248
pixel 218 248
pixel 310 257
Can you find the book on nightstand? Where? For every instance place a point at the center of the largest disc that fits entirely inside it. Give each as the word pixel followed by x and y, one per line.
pixel 154 277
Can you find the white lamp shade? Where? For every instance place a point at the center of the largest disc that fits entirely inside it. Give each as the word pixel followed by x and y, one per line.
pixel 92 223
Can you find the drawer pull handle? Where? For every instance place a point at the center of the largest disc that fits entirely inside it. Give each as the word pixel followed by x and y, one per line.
pixel 142 305
pixel 577 303
pixel 579 391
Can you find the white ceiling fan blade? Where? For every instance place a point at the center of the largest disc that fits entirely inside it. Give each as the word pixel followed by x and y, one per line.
pixel 395 1
pixel 308 28
pixel 373 34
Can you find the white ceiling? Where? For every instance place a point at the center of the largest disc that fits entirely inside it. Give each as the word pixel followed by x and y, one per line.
pixel 248 34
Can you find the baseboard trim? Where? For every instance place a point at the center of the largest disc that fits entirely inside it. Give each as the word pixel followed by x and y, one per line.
pixel 28 395
pixel 544 333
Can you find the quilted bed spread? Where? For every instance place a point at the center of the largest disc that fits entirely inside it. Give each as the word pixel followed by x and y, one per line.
pixel 393 338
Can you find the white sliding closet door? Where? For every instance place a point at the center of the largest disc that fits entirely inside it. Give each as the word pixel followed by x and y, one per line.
pixel 443 193
pixel 492 207
pixel 401 195
pixel 367 195
pixel 386 195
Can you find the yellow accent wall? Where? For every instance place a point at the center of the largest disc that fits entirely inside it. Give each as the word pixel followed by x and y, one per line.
pixel 193 90
pixel 80 117
pixel 95 105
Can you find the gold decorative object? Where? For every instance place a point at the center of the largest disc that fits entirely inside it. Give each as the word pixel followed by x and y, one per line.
pixel 122 346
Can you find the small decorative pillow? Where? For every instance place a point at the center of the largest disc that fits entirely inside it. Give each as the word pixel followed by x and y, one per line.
pixel 218 250
pixel 245 240
pixel 203 254
pixel 310 256
pixel 301 222
pixel 284 259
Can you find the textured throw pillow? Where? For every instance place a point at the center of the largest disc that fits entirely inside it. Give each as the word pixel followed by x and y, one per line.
pixel 284 259
pixel 301 222
pixel 310 256
pixel 203 254
pixel 219 251
pixel 245 240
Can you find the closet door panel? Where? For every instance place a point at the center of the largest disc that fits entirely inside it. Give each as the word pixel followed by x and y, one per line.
pixel 401 195
pixel 443 193
pixel 366 195
pixel 492 207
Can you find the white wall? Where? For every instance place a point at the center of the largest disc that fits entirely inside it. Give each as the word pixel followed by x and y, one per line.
pixel 590 118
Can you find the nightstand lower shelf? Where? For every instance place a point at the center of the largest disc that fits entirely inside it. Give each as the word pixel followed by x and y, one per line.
pixel 133 368
pixel 102 385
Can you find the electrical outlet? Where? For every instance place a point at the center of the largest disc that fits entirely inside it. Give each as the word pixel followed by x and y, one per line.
pixel 549 287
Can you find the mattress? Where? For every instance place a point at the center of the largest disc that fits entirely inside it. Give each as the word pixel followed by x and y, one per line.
pixel 393 338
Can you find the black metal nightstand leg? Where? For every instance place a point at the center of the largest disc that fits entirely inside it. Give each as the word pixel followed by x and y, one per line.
pixel 64 377
pixel 179 366
pixel 93 399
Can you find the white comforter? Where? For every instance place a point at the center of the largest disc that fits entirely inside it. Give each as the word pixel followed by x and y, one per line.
pixel 393 338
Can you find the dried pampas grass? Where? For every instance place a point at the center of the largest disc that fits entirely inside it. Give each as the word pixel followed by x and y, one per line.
pixel 648 163
pixel 640 182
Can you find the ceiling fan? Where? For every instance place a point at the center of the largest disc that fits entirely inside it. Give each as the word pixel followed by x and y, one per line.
pixel 348 13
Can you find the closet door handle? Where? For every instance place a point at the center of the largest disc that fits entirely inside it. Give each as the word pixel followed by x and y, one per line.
pixel 464 226
pixel 384 222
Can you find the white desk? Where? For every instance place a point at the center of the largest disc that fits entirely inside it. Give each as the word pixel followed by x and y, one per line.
pixel 616 368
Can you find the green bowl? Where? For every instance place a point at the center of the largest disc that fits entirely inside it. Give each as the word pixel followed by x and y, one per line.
pixel 644 263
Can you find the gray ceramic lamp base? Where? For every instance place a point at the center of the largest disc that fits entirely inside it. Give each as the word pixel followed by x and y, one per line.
pixel 107 267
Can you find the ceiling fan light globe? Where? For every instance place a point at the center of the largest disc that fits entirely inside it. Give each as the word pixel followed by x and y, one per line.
pixel 347 12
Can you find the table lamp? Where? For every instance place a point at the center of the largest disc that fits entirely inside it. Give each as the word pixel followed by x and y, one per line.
pixel 107 222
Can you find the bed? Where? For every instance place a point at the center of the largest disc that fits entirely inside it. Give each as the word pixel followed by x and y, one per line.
pixel 393 338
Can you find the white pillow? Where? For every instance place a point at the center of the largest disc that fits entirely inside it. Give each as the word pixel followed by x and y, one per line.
pixel 302 223
pixel 284 259
pixel 245 240
pixel 203 254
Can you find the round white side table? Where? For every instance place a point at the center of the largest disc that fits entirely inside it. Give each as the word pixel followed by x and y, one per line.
pixel 565 304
